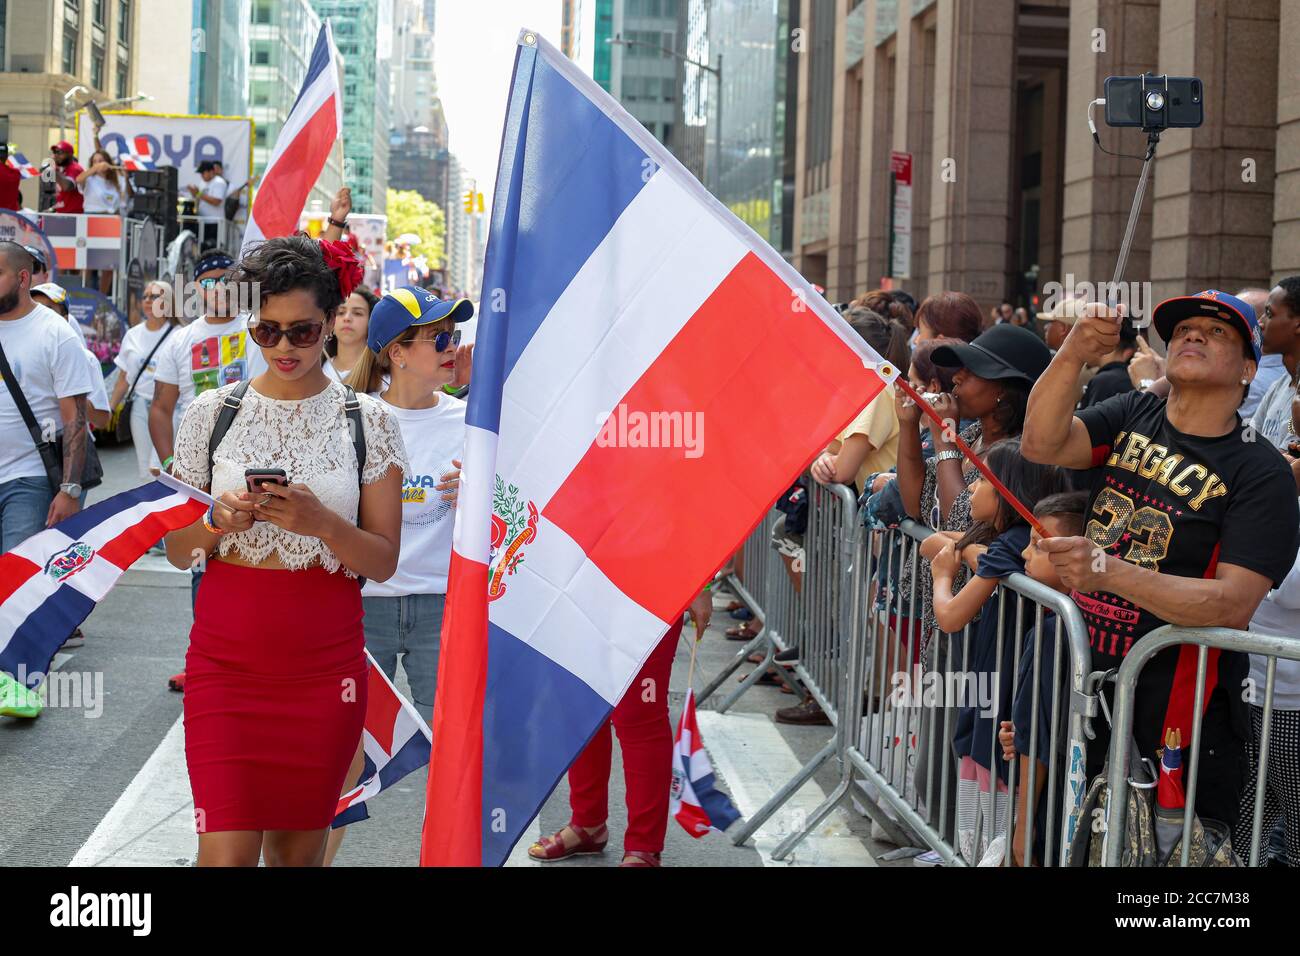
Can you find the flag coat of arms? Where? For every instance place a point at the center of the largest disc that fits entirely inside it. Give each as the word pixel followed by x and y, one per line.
pixel 614 284
pixel 301 148
pixel 695 802
pixel 51 582
pixel 84 240
pixel 25 168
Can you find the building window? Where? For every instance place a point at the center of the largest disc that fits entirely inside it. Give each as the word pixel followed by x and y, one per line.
pixel 124 23
pixel 100 13
pixel 97 68
pixel 121 81
pixel 262 11
pixel 69 49
pixel 259 137
pixel 261 53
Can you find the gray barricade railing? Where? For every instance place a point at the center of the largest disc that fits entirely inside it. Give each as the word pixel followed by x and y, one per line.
pixel 1274 647
pixel 814 621
pixel 894 728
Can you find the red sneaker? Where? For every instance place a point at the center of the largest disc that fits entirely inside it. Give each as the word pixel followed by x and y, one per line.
pixel 177 682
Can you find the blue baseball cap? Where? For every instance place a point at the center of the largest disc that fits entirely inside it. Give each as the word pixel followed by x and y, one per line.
pixel 410 305
pixel 1214 303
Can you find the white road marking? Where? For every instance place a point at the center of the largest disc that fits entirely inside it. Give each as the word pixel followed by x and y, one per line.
pixel 752 758
pixel 152 822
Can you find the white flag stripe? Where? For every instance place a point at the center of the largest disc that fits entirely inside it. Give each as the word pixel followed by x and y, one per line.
pixel 471 535
pixel 663 258
pixel 574 615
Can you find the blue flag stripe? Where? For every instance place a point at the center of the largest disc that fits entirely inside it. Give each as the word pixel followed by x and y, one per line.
pixel 582 172
pixel 77 525
pixel 38 638
pixel 715 803
pixel 536 718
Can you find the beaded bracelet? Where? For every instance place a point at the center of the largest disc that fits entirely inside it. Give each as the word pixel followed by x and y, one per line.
pixel 209 521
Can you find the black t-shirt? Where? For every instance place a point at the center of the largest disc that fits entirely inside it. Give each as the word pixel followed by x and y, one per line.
pixel 1181 504
pixel 1111 379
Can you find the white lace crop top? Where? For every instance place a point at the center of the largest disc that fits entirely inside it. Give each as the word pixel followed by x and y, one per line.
pixel 310 439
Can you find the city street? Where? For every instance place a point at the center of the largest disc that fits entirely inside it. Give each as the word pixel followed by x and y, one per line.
pixel 103 783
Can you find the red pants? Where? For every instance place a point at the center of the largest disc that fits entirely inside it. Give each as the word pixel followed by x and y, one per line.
pixel 646 739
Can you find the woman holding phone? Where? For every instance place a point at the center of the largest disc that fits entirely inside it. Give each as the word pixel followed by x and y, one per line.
pixel 276 673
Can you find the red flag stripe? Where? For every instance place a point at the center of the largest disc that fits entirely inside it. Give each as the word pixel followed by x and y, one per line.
pixel 15 571
pixel 135 540
pixel 286 187
pixel 613 502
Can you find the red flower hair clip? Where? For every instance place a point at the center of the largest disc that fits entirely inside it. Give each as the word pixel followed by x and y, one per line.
pixel 344 263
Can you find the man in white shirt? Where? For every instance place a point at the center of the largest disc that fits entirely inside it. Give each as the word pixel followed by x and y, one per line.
pixel 211 201
pixel 49 370
pixel 1270 365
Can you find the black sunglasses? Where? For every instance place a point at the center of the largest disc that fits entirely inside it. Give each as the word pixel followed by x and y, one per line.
pixel 300 334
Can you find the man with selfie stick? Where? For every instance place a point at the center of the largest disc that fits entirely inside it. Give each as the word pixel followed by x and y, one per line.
pixel 1179 507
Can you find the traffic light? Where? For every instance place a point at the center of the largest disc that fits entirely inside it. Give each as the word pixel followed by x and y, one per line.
pixel 472 201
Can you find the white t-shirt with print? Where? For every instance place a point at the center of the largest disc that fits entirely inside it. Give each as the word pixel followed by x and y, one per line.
pixel 45 356
pixel 138 342
pixel 205 355
pixel 433 437
pixel 101 196
pixel 98 397
pixel 214 188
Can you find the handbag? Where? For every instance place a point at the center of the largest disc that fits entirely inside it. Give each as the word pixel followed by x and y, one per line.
pixel 51 452
pixel 125 415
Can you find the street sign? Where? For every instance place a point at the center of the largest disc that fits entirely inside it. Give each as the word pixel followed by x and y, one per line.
pixel 900 215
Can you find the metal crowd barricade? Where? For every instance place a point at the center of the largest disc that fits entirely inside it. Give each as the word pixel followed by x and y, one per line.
pixel 813 620
pixel 894 730
pixel 1274 647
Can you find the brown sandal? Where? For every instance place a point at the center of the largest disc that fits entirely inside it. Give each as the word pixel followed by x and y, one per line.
pixel 741 633
pixel 641 858
pixel 551 849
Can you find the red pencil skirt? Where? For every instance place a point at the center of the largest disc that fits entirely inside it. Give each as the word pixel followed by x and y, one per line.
pixel 275 696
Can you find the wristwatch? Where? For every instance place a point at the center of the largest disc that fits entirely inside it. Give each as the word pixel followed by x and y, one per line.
pixel 948 455
pixel 334 222
pixel 71 489
pixel 1144 385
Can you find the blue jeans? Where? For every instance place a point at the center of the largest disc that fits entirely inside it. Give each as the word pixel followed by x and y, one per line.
pixel 410 627
pixel 24 506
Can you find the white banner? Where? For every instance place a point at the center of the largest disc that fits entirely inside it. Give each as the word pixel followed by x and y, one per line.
pixel 180 141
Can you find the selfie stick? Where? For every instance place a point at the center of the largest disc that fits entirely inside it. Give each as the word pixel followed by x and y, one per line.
pixel 1153 137
pixel 973 458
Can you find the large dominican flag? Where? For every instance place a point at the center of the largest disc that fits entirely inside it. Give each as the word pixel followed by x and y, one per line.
pixel 84 240
pixel 51 582
pixel 301 148
pixel 616 285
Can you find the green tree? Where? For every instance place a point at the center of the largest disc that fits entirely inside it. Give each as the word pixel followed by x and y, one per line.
pixel 408 211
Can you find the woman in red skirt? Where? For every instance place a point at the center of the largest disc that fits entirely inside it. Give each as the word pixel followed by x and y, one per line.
pixel 275 692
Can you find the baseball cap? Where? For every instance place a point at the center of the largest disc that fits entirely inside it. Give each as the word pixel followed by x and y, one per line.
pixel 38 259
pixel 410 305
pixel 204 166
pixel 213 260
pixel 52 291
pixel 1004 352
pixel 63 146
pixel 1214 303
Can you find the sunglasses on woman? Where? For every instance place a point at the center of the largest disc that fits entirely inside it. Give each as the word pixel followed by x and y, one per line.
pixel 211 282
pixel 443 340
pixel 300 334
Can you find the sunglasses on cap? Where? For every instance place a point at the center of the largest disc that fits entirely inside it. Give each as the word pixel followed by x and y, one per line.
pixel 300 334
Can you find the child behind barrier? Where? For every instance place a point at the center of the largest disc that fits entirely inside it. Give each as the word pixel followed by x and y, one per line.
pixel 1062 515
pixel 993 548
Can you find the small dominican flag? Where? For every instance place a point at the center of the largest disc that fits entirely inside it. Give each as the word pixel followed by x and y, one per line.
pixel 141 159
pixel 84 240
pixel 26 169
pixel 695 803
pixel 395 739
pixel 51 582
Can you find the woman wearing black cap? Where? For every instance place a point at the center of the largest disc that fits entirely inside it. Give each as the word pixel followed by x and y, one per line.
pixel 996 371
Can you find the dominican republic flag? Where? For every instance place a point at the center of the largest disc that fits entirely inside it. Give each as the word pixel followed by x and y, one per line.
pixel 395 740
pixel 84 240
pixel 1169 789
pixel 302 147
pixel 614 285
pixel 141 159
pixel 695 803
pixel 51 582
pixel 19 162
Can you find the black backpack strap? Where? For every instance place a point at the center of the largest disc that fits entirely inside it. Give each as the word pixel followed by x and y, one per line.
pixel 145 364
pixel 352 408
pixel 229 409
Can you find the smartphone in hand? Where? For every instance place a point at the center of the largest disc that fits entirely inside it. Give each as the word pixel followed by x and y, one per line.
pixel 254 478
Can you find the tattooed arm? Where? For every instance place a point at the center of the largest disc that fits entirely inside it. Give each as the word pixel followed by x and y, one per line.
pixel 75 436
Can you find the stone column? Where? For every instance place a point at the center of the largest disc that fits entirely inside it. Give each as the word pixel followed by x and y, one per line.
pixel 1286 187
pixel 974 112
